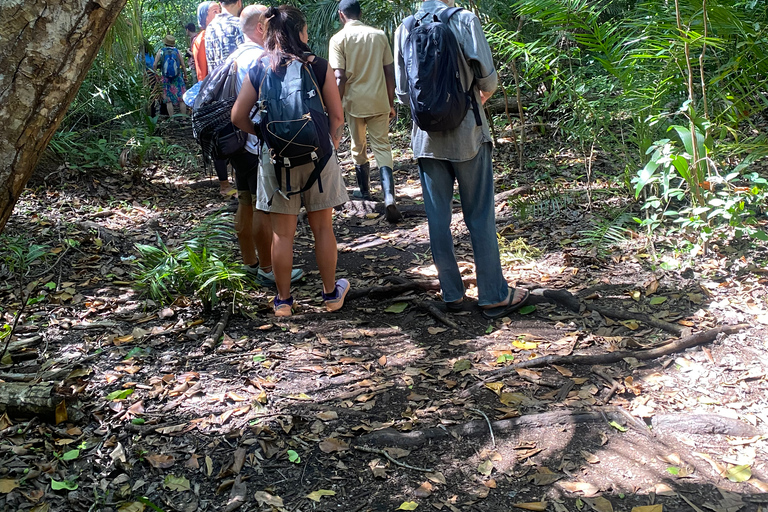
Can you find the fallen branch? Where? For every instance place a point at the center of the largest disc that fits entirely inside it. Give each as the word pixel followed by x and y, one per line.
pixel 693 340
pixel 640 317
pixel 438 315
pixel 391 459
pixel 217 331
pixel 507 194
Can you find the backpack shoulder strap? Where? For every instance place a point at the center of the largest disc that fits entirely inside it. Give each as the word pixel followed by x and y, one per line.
pixel 445 14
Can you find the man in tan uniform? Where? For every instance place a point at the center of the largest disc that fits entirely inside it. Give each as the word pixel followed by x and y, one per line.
pixel 364 67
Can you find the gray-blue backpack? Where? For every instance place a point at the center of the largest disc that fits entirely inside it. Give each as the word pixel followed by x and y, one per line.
pixel 431 54
pixel 294 124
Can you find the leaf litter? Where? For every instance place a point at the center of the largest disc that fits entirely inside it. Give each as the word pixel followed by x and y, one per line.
pixel 269 417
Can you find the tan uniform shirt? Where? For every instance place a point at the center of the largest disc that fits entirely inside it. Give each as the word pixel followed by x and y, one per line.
pixel 363 52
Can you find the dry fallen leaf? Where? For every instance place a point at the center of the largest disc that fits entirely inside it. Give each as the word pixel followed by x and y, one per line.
pixel 587 489
pixel 438 478
pixel 318 494
pixel 332 444
pixel 535 505
pixel 160 461
pixel 544 476
pixel 424 490
pixel 264 498
pixel 599 504
pixel 327 415
pixel 7 485
pixel 649 508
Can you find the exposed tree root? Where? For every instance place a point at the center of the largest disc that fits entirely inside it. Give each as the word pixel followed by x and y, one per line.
pixel 417 438
pixel 693 340
pixel 703 424
pixel 694 423
pixel 675 329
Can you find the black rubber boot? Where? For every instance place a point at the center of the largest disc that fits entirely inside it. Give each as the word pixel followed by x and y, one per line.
pixel 388 187
pixel 363 173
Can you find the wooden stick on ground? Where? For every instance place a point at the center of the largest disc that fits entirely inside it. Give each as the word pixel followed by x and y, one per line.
pixel 217 330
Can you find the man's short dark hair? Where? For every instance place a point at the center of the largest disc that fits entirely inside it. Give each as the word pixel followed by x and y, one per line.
pixel 350 9
pixel 228 2
pixel 190 27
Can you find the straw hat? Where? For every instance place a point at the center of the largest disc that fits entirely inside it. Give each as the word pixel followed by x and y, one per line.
pixel 169 40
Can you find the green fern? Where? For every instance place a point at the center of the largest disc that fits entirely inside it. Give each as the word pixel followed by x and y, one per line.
pixel 543 201
pixel 204 265
pixel 606 234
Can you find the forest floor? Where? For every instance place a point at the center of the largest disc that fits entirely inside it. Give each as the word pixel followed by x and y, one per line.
pixel 391 403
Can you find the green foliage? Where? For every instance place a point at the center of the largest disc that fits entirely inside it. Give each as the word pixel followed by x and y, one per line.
pixel 516 251
pixel 544 200
pixel 735 200
pixel 606 234
pixel 204 265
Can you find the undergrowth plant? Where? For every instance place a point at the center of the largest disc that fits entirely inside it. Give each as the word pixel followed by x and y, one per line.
pixel 204 265
pixel 17 255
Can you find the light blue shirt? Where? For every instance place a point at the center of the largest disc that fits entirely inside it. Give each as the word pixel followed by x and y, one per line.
pixel 250 54
pixel 462 143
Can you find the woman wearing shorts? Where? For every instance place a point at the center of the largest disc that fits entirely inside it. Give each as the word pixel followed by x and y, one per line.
pixel 286 38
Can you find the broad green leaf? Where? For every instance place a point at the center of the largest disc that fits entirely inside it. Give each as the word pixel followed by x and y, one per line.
pixel 293 457
pixel 66 484
pixel 659 299
pixel 70 455
pixel 740 473
pixel 485 468
pixel 618 427
pixel 138 421
pixel 120 394
pixel 462 365
pixel 526 310
pixel 176 483
pixel 408 505
pixel 259 358
pixel 318 494
pixel 397 307
pixel 673 470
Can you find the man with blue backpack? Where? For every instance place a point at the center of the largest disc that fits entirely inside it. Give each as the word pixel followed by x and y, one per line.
pixel 444 71
pixel 172 70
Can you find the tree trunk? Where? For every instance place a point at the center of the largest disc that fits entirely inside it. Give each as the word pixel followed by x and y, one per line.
pixel 46 49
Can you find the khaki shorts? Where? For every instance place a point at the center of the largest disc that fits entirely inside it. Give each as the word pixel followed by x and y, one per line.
pixel 334 190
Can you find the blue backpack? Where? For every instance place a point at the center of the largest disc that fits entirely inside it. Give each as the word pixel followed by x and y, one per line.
pixel 294 124
pixel 431 53
pixel 171 62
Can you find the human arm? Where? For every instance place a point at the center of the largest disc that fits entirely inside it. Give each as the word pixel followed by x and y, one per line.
pixel 241 110
pixel 389 78
pixel 478 54
pixel 341 81
pixel 158 59
pixel 332 102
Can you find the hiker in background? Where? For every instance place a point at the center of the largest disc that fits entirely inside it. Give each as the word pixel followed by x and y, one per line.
pixel 253 227
pixel 462 153
pixel 206 11
pixel 365 73
pixel 173 73
pixel 189 58
pixel 222 37
pixel 286 41
pixel 223 34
